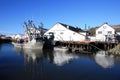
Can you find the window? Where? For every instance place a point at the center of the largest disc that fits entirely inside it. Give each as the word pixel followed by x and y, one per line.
pixel 109 32
pixel 99 32
pixel 61 33
pixel 104 27
pixel 73 33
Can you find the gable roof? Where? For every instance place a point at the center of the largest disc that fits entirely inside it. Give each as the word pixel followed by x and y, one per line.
pixel 92 30
pixel 103 25
pixel 75 29
pixel 116 27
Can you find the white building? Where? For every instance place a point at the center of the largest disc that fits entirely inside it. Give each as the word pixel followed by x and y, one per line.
pixel 63 32
pixel 18 36
pixel 105 33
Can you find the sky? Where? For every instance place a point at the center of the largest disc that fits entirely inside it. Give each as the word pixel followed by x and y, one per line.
pixel 93 13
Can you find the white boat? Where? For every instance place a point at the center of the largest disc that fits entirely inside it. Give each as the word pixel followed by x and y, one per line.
pixel 61 48
pixel 29 45
pixel 33 37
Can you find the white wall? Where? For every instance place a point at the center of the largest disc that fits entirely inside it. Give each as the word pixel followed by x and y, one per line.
pixel 118 33
pixel 92 38
pixel 63 34
pixel 104 29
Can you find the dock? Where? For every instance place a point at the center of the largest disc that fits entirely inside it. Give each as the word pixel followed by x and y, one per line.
pixel 76 46
pixel 5 40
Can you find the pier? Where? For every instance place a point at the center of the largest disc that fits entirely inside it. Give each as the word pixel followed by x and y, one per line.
pixel 5 40
pixel 86 45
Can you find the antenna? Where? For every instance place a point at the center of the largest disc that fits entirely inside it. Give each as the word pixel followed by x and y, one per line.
pixel 41 24
pixel 85 26
pixel 41 28
pixel 88 27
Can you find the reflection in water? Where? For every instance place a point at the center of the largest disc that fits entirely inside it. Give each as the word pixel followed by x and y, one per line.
pixel 49 55
pixel 33 65
pixel 34 71
pixel 0 46
pixel 58 56
pixel 30 55
pixel 41 65
pixel 62 57
pixel 18 50
pixel 104 60
pixel 33 55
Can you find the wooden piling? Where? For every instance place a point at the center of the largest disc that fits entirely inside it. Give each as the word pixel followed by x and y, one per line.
pixel 87 46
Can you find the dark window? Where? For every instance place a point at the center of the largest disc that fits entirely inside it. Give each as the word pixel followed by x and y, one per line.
pixel 109 32
pixel 99 32
pixel 61 33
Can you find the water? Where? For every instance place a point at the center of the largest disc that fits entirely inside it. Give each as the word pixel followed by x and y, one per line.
pixel 18 64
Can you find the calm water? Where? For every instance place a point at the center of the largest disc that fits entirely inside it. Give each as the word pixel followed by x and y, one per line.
pixel 18 64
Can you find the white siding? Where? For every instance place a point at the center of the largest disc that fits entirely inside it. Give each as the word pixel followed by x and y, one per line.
pixel 104 30
pixel 92 38
pixel 63 34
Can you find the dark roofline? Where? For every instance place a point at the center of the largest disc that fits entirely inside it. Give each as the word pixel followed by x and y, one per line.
pixel 75 29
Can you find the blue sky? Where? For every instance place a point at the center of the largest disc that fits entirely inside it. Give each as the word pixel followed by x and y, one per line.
pixel 73 12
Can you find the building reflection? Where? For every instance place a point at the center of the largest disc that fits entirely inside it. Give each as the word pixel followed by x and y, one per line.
pixel 59 57
pixel 62 56
pixel 104 59
pixel 37 63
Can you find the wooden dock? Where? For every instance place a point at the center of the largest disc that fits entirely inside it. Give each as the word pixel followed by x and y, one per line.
pixel 86 45
pixel 5 40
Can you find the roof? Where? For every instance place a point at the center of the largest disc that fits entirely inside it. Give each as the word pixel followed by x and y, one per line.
pixel 116 27
pixel 76 29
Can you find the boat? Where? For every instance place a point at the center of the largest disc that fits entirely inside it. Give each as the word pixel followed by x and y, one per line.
pixel 34 37
pixel 28 45
pixel 61 48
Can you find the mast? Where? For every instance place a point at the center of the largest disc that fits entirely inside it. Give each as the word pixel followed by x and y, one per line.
pixel 41 28
pixel 27 27
pixel 32 31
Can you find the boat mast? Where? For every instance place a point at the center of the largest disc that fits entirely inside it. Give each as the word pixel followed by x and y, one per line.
pixel 41 29
pixel 27 29
pixel 32 31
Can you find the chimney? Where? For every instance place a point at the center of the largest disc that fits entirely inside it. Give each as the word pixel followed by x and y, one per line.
pixel 67 26
pixel 106 23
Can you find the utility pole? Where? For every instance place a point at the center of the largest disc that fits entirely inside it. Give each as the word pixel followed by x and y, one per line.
pixel 85 26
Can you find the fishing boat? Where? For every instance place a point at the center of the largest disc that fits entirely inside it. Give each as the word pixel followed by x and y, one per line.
pixel 33 37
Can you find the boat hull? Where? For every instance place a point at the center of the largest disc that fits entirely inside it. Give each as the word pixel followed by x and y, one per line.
pixel 37 45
